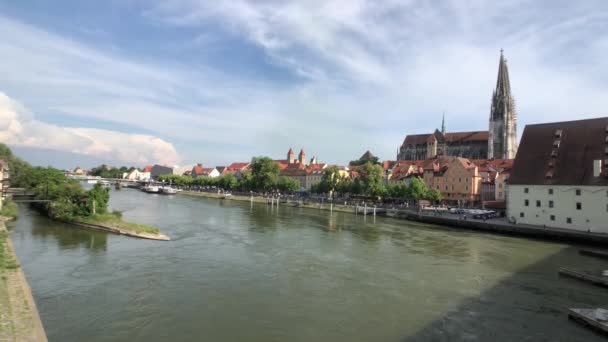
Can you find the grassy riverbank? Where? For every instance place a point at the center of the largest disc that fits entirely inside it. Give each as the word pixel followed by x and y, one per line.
pixel 114 220
pixel 19 320
pixel 10 210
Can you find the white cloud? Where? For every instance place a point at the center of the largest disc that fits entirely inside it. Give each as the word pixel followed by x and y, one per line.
pixel 18 127
pixel 366 72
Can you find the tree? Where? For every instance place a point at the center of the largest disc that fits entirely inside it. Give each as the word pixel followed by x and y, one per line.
pixel 97 199
pixel 331 180
pixel 227 181
pixel 434 195
pixel 288 184
pixel 265 173
pixel 372 179
pixel 417 189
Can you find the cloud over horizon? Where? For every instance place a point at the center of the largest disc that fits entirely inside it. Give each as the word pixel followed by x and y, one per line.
pixel 18 127
pixel 227 80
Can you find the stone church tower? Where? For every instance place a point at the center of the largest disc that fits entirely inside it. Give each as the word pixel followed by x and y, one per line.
pixel 502 141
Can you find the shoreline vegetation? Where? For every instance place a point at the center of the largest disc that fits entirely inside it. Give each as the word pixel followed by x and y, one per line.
pixel 66 200
pixel 19 318
pixel 111 222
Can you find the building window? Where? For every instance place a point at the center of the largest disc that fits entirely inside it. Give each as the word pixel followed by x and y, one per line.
pixel 550 204
pixel 550 191
pixel 552 217
pixel 500 194
pixel 500 185
pixel 578 192
pixel 538 203
pixel 521 214
pixel 459 180
pixel 579 206
pixel 568 220
pixel 446 188
pixel 525 190
pixel 467 188
pixel 526 203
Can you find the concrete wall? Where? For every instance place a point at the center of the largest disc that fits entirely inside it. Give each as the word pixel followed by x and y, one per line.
pixel 593 214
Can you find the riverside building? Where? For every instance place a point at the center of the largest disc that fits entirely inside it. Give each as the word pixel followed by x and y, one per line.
pixel 560 176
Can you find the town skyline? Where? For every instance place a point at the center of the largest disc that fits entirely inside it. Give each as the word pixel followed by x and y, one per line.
pixel 226 87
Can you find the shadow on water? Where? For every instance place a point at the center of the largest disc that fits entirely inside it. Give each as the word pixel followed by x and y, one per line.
pixel 518 309
pixel 66 235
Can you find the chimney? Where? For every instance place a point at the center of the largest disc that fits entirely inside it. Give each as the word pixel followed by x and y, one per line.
pixel 597 168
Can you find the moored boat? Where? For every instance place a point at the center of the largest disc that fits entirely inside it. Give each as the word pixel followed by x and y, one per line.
pixel 167 190
pixel 151 189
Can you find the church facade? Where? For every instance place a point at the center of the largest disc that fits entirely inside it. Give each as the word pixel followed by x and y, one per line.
pixel 498 142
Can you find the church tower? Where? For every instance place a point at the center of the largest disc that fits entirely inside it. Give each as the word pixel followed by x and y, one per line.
pixel 502 141
pixel 302 157
pixel 291 158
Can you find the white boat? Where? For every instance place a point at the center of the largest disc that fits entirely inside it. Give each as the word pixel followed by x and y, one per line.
pixel 167 190
pixel 151 189
pixel 105 183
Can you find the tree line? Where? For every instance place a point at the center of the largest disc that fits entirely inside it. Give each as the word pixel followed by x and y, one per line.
pixel 264 176
pixel 67 198
pixel 370 182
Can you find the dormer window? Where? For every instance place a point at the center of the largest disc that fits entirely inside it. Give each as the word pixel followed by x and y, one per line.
pixel 549 175
pixel 556 143
pixel 558 133
pixel 551 164
pixel 554 154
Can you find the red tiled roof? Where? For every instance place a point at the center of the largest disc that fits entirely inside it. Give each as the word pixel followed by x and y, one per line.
pixel 283 163
pixel 388 164
pixel 467 136
pixel 237 166
pixel 197 170
pixel 579 143
pixel 420 139
pixel 148 168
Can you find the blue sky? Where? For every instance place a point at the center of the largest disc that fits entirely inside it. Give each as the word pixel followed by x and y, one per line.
pixel 184 81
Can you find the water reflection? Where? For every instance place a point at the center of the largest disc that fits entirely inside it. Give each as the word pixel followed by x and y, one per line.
pixel 68 236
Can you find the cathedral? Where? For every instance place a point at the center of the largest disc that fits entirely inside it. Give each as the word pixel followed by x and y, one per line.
pixel 499 142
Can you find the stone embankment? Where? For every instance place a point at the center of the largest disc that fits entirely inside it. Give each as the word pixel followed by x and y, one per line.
pixel 19 318
pixel 499 226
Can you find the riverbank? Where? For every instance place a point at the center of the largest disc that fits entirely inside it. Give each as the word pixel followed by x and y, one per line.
pixel 114 224
pixel 498 226
pixel 19 318
pixel 319 206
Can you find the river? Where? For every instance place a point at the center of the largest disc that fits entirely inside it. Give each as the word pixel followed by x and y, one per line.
pixel 236 271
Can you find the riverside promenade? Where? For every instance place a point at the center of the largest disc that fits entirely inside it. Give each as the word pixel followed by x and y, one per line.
pixel 19 319
pixel 497 225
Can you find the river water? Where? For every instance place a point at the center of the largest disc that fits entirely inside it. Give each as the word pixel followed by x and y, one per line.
pixel 236 271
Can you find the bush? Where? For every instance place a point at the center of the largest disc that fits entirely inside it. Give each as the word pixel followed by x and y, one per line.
pixel 117 213
pixel 10 209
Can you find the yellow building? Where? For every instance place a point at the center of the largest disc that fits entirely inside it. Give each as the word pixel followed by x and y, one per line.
pixel 456 178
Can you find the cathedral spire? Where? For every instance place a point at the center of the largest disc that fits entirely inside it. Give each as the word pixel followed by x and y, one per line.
pixel 503 122
pixel 443 124
pixel 503 85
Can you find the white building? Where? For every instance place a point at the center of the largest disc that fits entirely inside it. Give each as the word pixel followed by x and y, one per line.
pixel 560 176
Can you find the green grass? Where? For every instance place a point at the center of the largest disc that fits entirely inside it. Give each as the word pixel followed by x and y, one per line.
pixel 7 262
pixel 10 210
pixel 114 220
